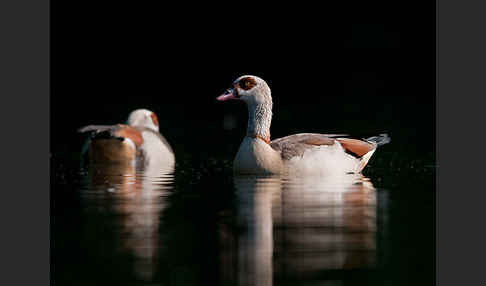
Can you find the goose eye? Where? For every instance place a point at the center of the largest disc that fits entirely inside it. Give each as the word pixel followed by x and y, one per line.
pixel 247 83
pixel 242 84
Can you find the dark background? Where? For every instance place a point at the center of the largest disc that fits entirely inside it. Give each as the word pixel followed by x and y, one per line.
pixel 355 67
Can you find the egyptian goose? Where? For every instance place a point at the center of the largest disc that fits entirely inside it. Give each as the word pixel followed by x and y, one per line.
pixel 304 153
pixel 137 141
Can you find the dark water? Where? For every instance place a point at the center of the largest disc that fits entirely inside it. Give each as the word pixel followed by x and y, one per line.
pixel 200 225
pixel 114 225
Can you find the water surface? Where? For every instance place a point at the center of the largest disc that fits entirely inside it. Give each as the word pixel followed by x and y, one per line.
pixel 200 225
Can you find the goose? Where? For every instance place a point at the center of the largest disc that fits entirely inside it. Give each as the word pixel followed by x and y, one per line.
pixel 303 153
pixel 138 141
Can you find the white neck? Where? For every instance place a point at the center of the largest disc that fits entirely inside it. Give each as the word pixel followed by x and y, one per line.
pixel 259 119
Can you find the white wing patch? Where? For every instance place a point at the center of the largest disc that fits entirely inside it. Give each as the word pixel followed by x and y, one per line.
pixel 324 160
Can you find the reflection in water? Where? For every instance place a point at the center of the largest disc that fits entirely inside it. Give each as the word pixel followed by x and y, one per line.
pixel 274 230
pixel 255 200
pixel 299 228
pixel 136 197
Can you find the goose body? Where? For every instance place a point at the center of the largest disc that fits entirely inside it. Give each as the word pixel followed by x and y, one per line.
pixel 304 153
pixel 137 141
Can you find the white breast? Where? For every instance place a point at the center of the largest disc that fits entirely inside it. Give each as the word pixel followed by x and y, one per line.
pixel 257 157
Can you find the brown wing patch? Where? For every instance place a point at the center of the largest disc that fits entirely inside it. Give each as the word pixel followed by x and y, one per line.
pixel 356 147
pixel 110 131
pixel 129 132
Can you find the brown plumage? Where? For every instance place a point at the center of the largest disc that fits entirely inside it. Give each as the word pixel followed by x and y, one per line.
pixel 118 131
pixel 107 143
pixel 155 119
pixel 129 132
pixel 355 147
pixel 247 83
pixel 110 150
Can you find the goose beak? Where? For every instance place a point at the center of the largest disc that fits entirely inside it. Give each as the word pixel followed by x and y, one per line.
pixel 227 95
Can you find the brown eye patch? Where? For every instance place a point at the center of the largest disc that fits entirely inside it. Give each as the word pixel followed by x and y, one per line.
pixel 154 119
pixel 247 83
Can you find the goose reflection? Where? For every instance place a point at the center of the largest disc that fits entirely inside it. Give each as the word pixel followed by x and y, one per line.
pixel 326 224
pixel 137 196
pixel 255 197
pixel 299 228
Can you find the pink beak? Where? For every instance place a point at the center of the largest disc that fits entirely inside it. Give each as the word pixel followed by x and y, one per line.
pixel 227 95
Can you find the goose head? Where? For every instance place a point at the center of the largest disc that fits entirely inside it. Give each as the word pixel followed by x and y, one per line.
pixel 250 89
pixel 143 118
pixel 255 92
